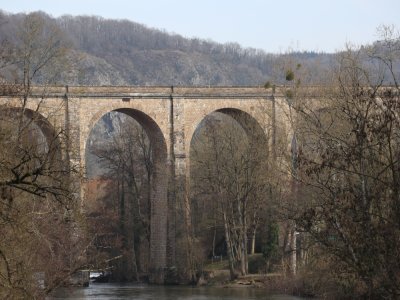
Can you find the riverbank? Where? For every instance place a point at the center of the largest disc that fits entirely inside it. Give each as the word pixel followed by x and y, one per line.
pixel 271 283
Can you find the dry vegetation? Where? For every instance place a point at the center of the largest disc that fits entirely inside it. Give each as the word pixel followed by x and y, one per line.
pixel 329 220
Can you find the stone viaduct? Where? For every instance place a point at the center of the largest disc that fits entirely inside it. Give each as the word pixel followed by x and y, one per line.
pixel 170 116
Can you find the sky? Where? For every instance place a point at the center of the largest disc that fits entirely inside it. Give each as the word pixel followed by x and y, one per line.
pixel 275 26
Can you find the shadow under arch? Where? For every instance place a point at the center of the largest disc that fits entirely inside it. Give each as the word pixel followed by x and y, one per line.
pixel 159 190
pixel 32 156
pixel 33 118
pixel 254 131
pixel 256 135
pixel 249 124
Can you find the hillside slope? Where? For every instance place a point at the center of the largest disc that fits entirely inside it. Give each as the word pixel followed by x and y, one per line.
pixel 121 52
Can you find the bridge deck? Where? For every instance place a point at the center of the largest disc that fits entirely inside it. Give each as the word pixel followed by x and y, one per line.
pixel 148 92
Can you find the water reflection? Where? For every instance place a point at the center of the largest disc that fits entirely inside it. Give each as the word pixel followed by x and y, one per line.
pixel 146 292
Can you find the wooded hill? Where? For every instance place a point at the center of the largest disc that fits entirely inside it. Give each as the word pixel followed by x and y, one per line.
pixel 121 52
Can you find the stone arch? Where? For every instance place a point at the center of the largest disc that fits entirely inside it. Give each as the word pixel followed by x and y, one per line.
pixel 250 125
pixel 254 109
pixel 53 139
pixel 152 129
pixel 256 133
pixel 248 122
pixel 159 188
pixel 88 121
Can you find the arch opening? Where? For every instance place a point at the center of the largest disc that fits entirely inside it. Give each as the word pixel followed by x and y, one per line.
pixel 230 186
pixel 33 150
pixel 126 193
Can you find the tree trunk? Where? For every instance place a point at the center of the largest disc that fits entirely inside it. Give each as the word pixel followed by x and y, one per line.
pixel 134 263
pixel 253 242
pixel 229 248
pixel 214 238
pixel 121 192
pixel 189 240
pixel 243 256
pixel 293 252
pixel 132 237
pixel 244 246
pixel 285 250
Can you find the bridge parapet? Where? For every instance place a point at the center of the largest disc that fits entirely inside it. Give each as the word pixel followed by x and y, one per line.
pixel 148 91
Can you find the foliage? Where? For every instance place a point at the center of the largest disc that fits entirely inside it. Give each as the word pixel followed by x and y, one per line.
pixel 289 75
pixel 289 94
pixel 270 244
pixel 350 170
pixel 41 236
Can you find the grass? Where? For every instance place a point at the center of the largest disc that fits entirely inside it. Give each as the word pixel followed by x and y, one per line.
pixel 256 264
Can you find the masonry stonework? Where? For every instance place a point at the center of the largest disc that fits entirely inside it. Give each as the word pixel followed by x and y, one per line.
pixel 170 116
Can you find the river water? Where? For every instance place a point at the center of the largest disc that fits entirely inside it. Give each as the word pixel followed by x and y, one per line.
pixel 108 291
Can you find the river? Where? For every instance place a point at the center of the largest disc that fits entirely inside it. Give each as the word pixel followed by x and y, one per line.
pixel 107 291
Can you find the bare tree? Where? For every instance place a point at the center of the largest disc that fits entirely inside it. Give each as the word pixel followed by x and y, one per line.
pixel 229 169
pixel 40 230
pixel 349 165
pixel 127 157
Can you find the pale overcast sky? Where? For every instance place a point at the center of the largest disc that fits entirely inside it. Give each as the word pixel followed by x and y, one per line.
pixel 271 25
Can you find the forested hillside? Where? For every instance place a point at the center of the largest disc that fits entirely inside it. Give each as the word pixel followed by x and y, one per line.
pixel 121 52
pixel 299 194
